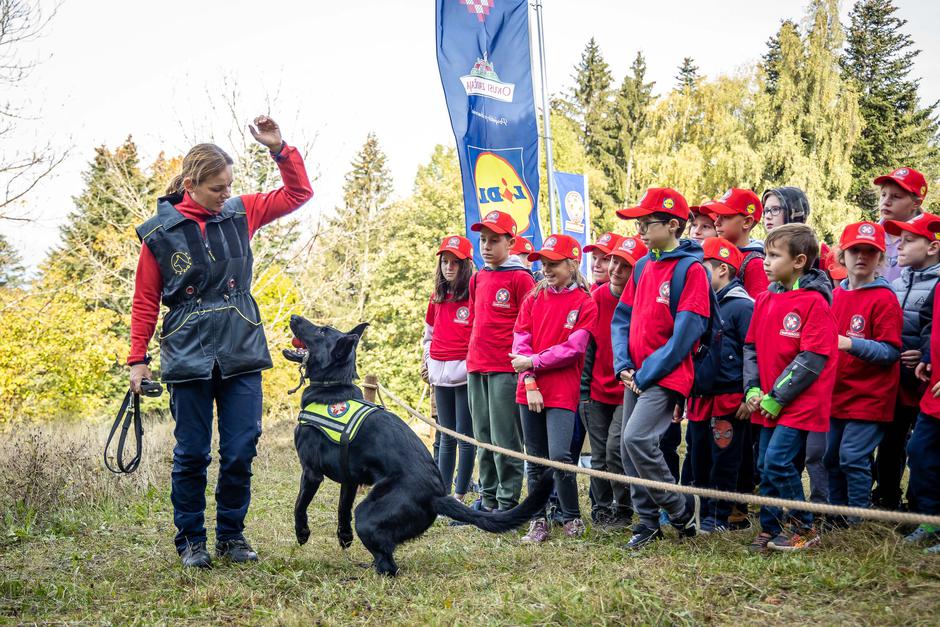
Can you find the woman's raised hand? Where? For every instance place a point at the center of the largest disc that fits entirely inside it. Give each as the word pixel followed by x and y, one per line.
pixel 266 132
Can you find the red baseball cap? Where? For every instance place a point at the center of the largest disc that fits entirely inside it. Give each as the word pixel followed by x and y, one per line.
pixel 908 178
pixel 863 233
pixel 498 222
pixel 558 247
pixel 521 246
pixel 630 248
pixel 658 200
pixel 459 246
pixel 720 249
pixel 605 243
pixel 704 209
pixel 738 202
pixel 923 224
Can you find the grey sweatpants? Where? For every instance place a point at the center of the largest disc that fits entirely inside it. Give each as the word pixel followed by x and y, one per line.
pixel 645 420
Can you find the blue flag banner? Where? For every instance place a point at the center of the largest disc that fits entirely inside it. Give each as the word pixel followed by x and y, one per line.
pixel 483 57
pixel 573 200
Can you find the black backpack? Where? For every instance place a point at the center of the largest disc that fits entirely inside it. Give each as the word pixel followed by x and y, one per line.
pixel 706 360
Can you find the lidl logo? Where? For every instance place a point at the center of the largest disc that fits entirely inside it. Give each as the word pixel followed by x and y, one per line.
pixel 751 208
pixel 724 253
pixel 497 178
pixel 669 203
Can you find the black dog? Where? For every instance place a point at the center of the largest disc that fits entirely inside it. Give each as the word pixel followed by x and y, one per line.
pixel 407 492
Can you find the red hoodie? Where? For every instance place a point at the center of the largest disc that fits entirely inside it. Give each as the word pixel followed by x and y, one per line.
pixel 260 209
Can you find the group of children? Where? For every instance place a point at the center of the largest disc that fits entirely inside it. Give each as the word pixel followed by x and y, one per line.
pixel 781 356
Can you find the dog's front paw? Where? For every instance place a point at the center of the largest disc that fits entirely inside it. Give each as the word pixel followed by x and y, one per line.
pixel 303 534
pixel 345 537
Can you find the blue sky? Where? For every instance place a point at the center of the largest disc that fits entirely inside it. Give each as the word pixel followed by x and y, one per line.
pixel 154 70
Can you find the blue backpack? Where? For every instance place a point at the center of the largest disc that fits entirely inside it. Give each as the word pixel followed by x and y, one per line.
pixel 706 360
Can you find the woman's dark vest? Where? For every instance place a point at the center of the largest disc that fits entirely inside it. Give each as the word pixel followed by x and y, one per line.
pixel 212 317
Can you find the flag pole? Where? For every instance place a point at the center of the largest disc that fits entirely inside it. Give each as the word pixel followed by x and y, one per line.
pixel 546 114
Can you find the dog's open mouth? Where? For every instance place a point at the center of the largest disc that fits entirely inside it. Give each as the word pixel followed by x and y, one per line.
pixel 299 349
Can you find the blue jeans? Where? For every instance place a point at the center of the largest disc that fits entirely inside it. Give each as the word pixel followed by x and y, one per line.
pixel 780 451
pixel 848 460
pixel 923 458
pixel 238 401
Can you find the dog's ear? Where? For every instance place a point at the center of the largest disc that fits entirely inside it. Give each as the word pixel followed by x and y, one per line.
pixel 344 347
pixel 359 329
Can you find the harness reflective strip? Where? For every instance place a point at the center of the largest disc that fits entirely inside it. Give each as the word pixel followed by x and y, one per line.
pixel 336 429
pixel 331 428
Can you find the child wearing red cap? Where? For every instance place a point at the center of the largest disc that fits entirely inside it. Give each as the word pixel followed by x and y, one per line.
pixel 663 311
pixel 737 212
pixel 702 225
pixel 868 319
pixel 447 328
pixel 600 257
pixel 602 391
pixel 790 352
pixel 549 341
pixel 719 421
pixel 917 253
pixel 901 195
pixel 496 293
pixel 923 491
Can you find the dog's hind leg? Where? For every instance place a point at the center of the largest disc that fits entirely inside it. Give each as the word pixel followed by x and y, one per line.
pixel 347 496
pixel 309 484
pixel 389 516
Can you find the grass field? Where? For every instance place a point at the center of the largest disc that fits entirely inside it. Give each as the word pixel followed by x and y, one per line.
pixel 79 545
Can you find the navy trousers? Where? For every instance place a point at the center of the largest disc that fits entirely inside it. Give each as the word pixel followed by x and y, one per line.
pixel 238 403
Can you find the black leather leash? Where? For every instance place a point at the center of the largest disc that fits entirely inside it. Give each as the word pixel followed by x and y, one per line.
pixel 130 412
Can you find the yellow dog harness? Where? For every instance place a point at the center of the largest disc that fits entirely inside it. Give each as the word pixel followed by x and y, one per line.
pixel 340 423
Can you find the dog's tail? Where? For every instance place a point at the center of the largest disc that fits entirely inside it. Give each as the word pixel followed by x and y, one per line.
pixel 498 522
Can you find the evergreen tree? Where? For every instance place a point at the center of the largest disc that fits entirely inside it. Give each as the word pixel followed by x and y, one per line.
pixel 590 98
pixel 898 131
pixel 11 264
pixel 628 125
pixel 808 124
pixel 97 256
pixel 366 196
pixel 688 75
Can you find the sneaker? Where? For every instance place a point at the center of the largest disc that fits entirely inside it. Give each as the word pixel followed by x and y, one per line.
pixel 195 555
pixel 574 528
pixel 643 536
pixel 797 540
pixel 710 525
pixel 601 516
pixel 619 520
pixel 739 520
pixel 923 535
pixel 933 550
pixel 690 519
pixel 759 544
pixel 237 550
pixel 538 532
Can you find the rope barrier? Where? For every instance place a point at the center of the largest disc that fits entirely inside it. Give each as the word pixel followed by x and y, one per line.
pixel 372 384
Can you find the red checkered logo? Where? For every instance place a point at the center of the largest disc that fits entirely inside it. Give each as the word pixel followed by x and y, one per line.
pixel 480 8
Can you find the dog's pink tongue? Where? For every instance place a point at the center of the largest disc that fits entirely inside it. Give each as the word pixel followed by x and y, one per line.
pixel 296 343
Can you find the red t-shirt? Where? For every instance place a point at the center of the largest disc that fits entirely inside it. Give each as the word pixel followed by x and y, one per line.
pixel 652 324
pixel 703 408
pixel 550 318
pixel 495 298
pixel 605 386
pixel 755 279
pixel 928 404
pixel 782 326
pixel 451 322
pixel 863 390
